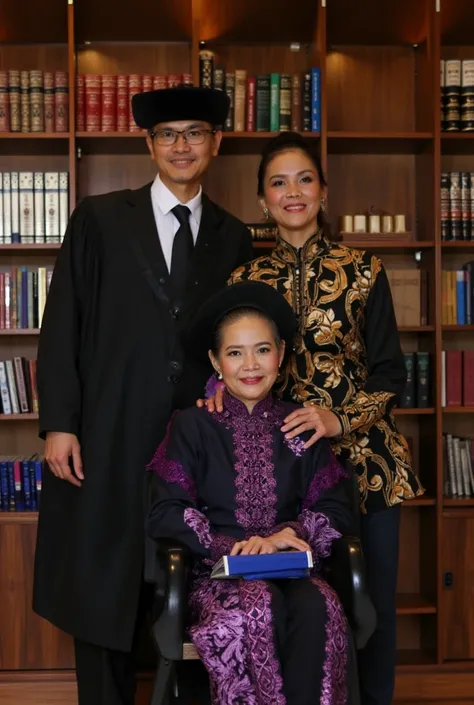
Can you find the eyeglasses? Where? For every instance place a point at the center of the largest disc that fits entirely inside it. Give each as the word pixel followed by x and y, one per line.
pixel 192 136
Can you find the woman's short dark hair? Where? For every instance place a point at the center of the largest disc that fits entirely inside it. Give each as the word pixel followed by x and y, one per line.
pixel 234 316
pixel 285 142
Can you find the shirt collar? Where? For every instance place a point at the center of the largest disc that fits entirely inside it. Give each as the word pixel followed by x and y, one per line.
pixel 166 200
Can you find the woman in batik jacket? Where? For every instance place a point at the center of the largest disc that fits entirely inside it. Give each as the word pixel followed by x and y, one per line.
pixel 347 370
pixel 232 483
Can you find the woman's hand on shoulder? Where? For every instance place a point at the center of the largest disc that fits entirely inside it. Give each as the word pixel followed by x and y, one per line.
pixel 323 422
pixel 214 403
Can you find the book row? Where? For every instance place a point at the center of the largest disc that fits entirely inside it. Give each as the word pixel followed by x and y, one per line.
pixel 273 102
pixel 20 482
pixel 23 292
pixel 457 296
pixel 457 205
pixel 457 378
pixel 34 206
pixel 417 392
pixel 18 386
pixel 34 101
pixel 457 95
pixel 458 462
pixel 104 101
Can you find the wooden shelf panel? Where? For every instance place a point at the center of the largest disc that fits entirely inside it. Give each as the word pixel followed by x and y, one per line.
pixel 419 502
pixel 458 246
pixel 414 412
pixel 159 21
pixel 19 331
pixel 466 502
pixel 414 658
pixel 457 329
pixel 18 417
pixel 458 409
pixel 416 329
pixel 457 19
pixel 403 22
pixel 409 603
pixel 457 143
pixel 35 248
pixel 34 135
pixel 340 142
pixel 18 517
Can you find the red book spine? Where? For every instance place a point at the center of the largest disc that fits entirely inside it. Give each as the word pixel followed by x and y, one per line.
pixel 80 111
pixel 122 103
pixel 92 102
pixel 175 79
pixel 4 103
pixel 108 112
pixel 159 82
pixel 251 88
pixel 49 101
pixel 468 377
pixel 147 82
pixel 188 79
pixel 453 378
pixel 134 86
pixel 61 102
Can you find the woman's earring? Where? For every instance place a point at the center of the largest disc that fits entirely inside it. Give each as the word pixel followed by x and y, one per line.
pixel 266 212
pixel 219 375
pixel 323 204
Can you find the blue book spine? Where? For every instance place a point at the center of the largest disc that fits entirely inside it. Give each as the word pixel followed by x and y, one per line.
pixel 268 563
pixel 4 486
pixel 316 99
pixel 31 473
pixel 11 486
pixel 26 484
pixel 39 480
pixel 460 298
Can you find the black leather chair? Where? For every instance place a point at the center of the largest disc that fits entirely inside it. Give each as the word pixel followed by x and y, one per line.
pixel 167 568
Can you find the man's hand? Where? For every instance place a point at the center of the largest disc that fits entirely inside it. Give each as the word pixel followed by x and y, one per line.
pixel 311 418
pixel 59 448
pixel 281 541
pixel 213 403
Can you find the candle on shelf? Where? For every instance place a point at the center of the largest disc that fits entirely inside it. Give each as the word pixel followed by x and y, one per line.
pixel 346 224
pixel 360 224
pixel 387 224
pixel 374 223
pixel 400 224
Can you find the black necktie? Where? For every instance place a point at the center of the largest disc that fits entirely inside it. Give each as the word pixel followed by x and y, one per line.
pixel 183 246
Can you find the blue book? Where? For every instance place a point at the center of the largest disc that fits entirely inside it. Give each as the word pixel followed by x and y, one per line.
pixel 284 564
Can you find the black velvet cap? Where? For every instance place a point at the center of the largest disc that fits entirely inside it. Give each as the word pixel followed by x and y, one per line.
pixel 180 103
pixel 248 294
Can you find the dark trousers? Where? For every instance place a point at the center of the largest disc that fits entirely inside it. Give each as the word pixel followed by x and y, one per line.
pixel 108 677
pixel 380 544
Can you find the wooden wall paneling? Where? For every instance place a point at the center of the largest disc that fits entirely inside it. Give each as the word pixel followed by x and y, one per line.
pixel 47 57
pixel 26 641
pixel 131 57
pixel 143 21
pixel 25 25
pixel 99 173
pixel 360 182
pixel 370 89
pixel 232 182
pixel 458 601
pixel 258 58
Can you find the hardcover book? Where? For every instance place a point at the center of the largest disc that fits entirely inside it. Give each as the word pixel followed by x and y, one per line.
pixel 284 564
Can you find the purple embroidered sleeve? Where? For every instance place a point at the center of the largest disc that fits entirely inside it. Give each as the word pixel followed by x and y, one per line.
pixel 212 385
pixel 323 480
pixel 171 470
pixel 295 525
pixel 318 533
pixel 218 544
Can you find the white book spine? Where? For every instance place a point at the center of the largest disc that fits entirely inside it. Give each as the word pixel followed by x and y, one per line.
pixel 8 297
pixel 7 208
pixel 51 206
pixel 39 206
pixel 12 387
pixel 15 207
pixel 63 203
pixel 7 409
pixel 41 293
pixel 2 239
pixel 27 209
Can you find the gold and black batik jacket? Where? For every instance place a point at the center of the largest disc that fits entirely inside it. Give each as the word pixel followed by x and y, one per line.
pixel 347 356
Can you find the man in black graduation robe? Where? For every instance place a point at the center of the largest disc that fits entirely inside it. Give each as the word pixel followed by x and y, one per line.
pixel 111 370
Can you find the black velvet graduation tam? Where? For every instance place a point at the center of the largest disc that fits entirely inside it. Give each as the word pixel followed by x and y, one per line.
pixel 248 294
pixel 180 103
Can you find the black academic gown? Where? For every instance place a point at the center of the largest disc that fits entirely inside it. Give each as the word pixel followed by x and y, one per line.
pixel 111 369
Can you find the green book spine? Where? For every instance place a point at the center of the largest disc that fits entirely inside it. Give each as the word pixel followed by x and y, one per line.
pixel 275 102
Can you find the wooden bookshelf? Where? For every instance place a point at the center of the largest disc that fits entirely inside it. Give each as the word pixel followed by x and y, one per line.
pixel 381 146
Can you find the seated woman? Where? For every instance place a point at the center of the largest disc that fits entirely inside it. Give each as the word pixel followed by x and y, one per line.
pixel 231 483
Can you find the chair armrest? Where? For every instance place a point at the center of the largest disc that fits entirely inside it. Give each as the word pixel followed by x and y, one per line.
pixel 346 575
pixel 170 567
